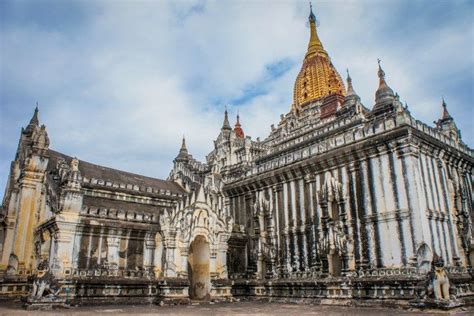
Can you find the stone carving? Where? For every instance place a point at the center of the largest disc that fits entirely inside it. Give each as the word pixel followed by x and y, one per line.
pixel 424 258
pixel 45 291
pixel 436 290
pixel 12 264
pixel 74 165
pixel 439 280
pixel 335 239
pixel 44 283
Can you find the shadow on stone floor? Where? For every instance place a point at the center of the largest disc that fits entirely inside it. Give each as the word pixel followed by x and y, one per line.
pixel 235 308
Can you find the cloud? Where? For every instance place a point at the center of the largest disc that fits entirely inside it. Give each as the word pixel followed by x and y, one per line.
pixel 119 82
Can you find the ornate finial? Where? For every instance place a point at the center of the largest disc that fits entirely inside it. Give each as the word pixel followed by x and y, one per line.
pixel 381 74
pixel 183 151
pixel 34 120
pixel 384 92
pixel 315 45
pixel 75 164
pixel 239 132
pixel 183 144
pixel 312 17
pixel 350 89
pixel 446 114
pixel 226 124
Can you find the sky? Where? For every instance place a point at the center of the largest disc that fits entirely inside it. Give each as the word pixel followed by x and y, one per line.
pixel 119 83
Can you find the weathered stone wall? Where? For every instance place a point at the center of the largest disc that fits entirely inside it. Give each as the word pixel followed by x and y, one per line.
pixel 381 204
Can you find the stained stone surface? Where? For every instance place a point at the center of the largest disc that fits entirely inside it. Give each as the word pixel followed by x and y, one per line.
pixel 235 308
pixel 340 203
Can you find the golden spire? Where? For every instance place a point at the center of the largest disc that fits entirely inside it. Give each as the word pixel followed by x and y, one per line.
pixel 314 46
pixel 318 77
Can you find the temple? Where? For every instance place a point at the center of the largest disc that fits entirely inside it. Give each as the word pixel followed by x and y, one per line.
pixel 340 203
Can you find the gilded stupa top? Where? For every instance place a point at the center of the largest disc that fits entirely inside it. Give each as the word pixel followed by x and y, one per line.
pixel 318 77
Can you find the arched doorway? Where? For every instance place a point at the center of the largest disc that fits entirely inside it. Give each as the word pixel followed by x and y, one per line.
pixel 198 269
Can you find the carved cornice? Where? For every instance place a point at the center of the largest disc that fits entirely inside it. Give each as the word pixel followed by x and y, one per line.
pixel 388 216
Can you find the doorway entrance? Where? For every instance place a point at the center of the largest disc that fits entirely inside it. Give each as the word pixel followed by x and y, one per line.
pixel 198 269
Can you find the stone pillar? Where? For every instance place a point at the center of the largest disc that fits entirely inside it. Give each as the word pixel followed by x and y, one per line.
pixel 401 205
pixel 323 232
pixel 366 224
pixel 169 245
pixel 148 250
pixel 113 242
pixel 252 238
pixel 280 221
pixel 309 223
pixel 270 223
pixel 222 269
pixel 29 202
pixel 295 259
pixel 416 197
pixel 158 256
pixel 355 211
pixel 7 243
pixel 213 262
pixel 184 256
pixel 61 263
pixel 70 205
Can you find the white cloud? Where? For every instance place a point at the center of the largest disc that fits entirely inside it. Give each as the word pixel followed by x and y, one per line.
pixel 133 77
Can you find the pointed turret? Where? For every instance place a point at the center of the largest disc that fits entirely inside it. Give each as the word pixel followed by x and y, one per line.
pixel 350 88
pixel 446 123
pixel 351 99
pixel 239 132
pixel 226 125
pixel 34 122
pixel 384 92
pixel 446 115
pixel 183 151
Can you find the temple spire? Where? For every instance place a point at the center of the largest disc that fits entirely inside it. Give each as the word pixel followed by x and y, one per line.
pixel 34 120
pixel 384 92
pixel 350 89
pixel 183 145
pixel 446 115
pixel 314 46
pixel 447 125
pixel 239 132
pixel 381 75
pixel 183 151
pixel 226 125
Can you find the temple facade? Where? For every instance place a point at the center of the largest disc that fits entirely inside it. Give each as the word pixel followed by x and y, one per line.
pixel 340 202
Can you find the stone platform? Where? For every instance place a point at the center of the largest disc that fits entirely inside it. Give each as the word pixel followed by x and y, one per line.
pixel 234 308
